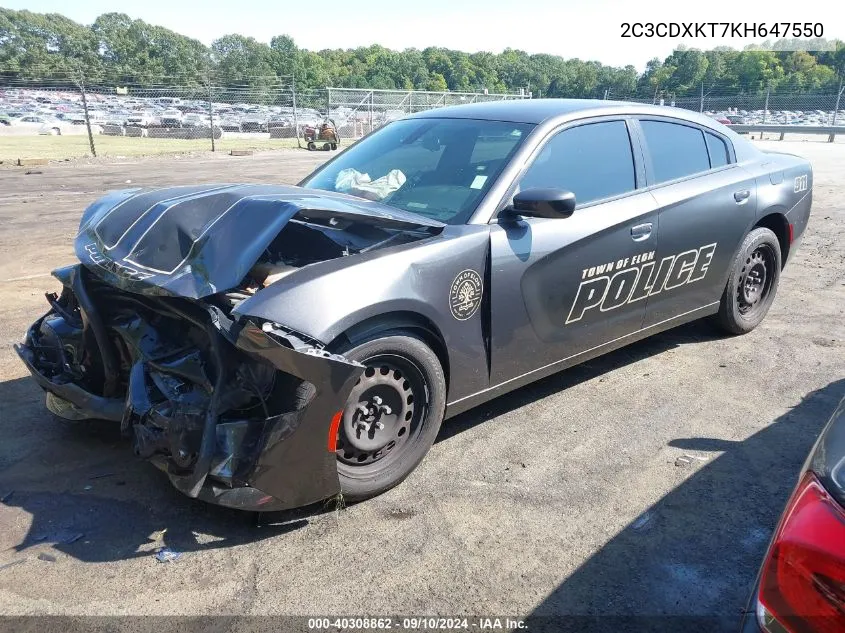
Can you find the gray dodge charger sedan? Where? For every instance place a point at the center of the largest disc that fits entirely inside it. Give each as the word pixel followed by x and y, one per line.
pixel 270 346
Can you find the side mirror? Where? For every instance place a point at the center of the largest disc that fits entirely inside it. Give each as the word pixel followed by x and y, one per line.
pixel 541 203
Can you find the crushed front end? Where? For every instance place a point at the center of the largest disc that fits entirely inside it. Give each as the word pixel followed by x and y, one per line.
pixel 236 412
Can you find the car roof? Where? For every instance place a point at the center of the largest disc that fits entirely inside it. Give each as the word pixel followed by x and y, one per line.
pixel 539 110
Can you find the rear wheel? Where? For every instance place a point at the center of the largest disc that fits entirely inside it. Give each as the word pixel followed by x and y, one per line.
pixel 753 283
pixel 392 415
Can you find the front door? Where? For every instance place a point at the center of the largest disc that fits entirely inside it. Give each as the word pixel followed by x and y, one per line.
pixel 561 287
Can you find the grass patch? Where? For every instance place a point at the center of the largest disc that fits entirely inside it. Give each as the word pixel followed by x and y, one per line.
pixel 76 146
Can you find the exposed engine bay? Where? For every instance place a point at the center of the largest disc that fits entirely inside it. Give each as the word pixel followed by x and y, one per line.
pixel 230 407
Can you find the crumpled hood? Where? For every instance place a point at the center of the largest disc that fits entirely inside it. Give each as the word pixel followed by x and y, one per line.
pixel 195 241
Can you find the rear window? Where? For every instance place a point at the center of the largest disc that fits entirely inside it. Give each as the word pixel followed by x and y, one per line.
pixel 676 150
pixel 718 150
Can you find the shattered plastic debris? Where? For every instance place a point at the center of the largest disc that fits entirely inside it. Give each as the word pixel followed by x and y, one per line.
pixel 167 555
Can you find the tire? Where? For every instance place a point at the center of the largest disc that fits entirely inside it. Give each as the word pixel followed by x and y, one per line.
pixel 311 147
pixel 334 146
pixel 404 390
pixel 56 131
pixel 752 284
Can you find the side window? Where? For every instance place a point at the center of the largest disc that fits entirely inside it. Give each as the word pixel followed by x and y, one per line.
pixel 718 150
pixel 676 150
pixel 594 161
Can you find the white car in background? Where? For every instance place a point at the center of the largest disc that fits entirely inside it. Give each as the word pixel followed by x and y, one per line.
pixel 141 119
pixel 171 118
pixel 37 124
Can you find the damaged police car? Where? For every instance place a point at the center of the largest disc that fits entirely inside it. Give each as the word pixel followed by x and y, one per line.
pixel 271 346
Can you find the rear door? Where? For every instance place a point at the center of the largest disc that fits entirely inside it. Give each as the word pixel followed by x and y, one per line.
pixel 706 203
pixel 564 286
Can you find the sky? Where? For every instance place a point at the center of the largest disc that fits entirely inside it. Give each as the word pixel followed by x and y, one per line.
pixel 589 30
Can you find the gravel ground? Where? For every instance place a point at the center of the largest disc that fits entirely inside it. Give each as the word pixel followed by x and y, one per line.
pixel 569 500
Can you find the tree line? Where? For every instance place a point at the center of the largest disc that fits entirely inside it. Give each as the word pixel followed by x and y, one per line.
pixel 118 50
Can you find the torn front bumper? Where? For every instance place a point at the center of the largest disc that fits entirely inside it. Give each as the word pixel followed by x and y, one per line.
pixel 182 419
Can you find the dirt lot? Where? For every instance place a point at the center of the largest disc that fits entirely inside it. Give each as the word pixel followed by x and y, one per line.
pixel 565 497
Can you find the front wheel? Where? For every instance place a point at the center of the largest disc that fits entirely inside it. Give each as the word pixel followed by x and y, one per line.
pixel 753 283
pixel 392 415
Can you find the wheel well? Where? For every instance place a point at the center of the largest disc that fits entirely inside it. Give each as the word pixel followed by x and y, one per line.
pixel 777 224
pixel 412 321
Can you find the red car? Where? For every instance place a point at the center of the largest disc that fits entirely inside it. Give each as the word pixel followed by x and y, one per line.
pixel 801 585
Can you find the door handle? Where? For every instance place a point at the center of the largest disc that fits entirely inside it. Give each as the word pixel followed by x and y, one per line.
pixel 641 232
pixel 742 196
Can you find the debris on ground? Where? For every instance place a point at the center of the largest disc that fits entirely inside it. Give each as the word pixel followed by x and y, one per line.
pixel 101 476
pixel 12 564
pixel 167 555
pixel 686 460
pixel 88 488
pixel 73 538
pixel 7 496
pixel 47 557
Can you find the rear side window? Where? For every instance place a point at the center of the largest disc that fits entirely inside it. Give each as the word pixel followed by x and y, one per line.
pixel 676 150
pixel 593 161
pixel 718 150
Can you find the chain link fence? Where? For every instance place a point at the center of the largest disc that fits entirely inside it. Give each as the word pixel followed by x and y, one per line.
pixel 764 106
pixel 67 117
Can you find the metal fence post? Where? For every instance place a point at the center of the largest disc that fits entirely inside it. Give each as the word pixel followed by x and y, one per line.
pixel 832 137
pixel 87 117
pixel 295 119
pixel 701 106
pixel 211 115
pixel 371 110
pixel 766 107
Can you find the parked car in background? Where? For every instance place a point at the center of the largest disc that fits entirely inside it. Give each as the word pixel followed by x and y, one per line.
pixel 171 118
pixel 194 119
pixel 141 119
pixel 801 584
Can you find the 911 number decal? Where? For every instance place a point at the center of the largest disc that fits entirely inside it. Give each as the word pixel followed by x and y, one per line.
pixel 636 278
pixel 801 184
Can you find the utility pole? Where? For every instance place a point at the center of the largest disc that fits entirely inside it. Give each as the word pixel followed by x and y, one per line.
pixel 81 84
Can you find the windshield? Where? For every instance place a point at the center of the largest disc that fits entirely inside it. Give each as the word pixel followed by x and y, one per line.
pixel 439 168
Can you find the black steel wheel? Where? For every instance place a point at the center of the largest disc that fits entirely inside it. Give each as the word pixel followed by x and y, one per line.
pixel 751 288
pixel 392 415
pixel 755 280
